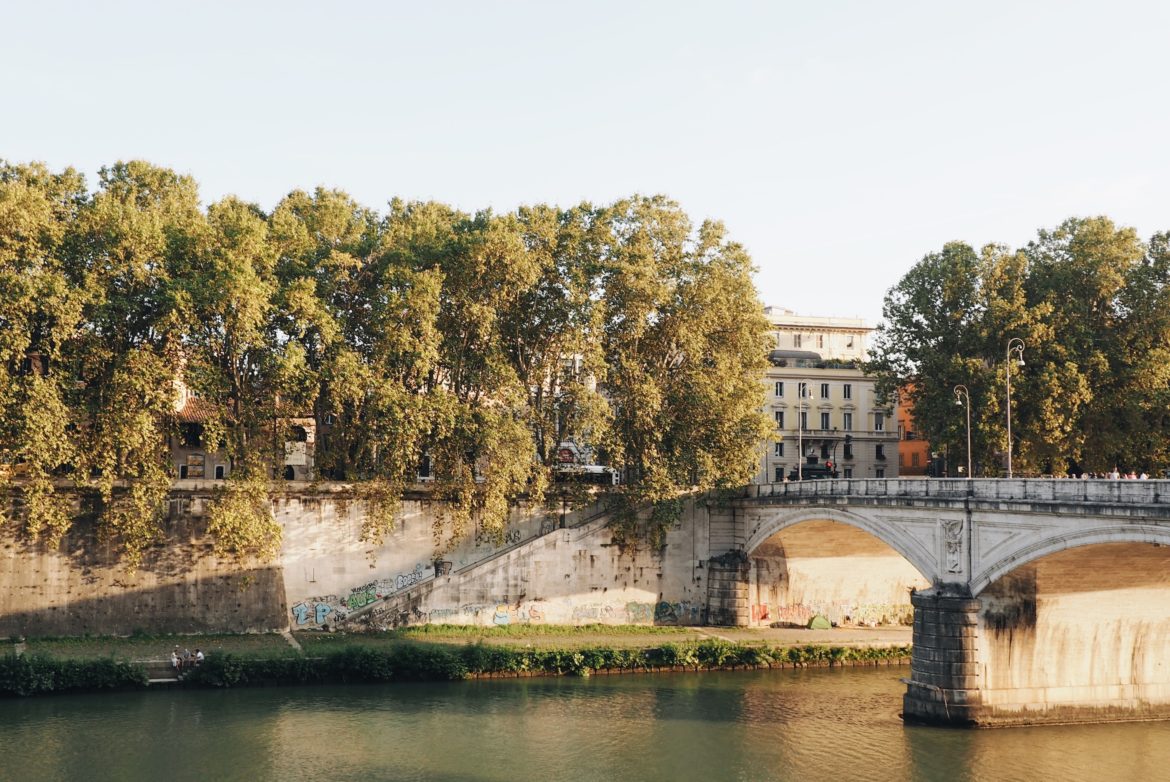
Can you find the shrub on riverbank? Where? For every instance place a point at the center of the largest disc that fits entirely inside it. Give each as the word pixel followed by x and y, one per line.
pixel 38 674
pixel 446 663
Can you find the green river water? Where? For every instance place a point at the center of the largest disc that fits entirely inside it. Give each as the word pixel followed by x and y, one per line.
pixel 770 725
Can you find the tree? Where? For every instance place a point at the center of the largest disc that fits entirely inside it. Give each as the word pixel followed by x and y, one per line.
pixel 40 313
pixel 686 345
pixel 1087 298
pixel 477 342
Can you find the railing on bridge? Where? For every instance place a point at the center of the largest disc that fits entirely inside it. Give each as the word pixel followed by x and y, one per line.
pixel 1129 492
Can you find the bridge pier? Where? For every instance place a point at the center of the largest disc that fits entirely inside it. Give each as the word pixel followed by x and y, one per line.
pixel 727 590
pixel 944 683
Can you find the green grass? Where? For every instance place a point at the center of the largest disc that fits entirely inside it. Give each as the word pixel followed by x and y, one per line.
pixel 158 647
pixel 525 630
pixel 513 635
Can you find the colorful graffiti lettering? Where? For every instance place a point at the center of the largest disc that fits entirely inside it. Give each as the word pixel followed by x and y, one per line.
pixel 639 613
pixel 318 610
pixel 760 612
pixel 360 597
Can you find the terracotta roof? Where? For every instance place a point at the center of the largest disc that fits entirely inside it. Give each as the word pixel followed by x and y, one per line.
pixel 196 411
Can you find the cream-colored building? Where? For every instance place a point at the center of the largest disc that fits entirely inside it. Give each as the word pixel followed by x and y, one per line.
pixel 822 403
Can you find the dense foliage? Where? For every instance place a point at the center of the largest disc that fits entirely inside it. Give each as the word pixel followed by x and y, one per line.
pixel 410 662
pixel 40 675
pixel 1091 302
pixel 477 342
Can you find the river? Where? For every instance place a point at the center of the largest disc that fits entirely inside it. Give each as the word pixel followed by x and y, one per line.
pixel 816 724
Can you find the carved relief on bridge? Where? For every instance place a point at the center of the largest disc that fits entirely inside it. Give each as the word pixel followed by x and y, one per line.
pixel 953 545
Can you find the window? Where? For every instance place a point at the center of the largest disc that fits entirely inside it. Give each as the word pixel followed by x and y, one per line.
pixel 779 473
pixel 879 451
pixel 879 422
pixel 848 472
pixel 779 419
pixel 847 421
pixel 778 450
pixel 804 419
pixel 795 340
pixel 880 472
pixel 847 390
pixel 219 472
pixel 802 390
pixel 824 390
pixel 914 459
pixel 820 340
pixel 824 420
pixel 848 450
pixel 779 388
pixel 191 435
pixel 824 451
pixel 901 459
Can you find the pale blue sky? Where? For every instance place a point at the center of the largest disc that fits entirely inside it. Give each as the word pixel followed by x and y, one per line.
pixel 839 141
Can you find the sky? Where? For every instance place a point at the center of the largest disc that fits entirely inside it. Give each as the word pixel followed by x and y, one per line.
pixel 839 142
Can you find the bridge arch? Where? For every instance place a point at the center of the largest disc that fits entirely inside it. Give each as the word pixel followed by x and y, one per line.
pixel 897 538
pixel 1065 541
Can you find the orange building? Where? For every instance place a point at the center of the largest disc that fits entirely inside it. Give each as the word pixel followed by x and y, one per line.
pixel 913 451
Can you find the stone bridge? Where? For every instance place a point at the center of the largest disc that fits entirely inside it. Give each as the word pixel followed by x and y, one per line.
pixel 1035 600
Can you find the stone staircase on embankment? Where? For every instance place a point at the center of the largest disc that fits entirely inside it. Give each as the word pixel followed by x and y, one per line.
pixel 401 607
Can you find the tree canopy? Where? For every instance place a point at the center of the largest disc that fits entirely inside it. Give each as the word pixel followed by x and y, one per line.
pixel 477 342
pixel 1091 302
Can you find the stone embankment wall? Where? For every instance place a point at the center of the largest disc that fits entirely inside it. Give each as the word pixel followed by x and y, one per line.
pixel 832 570
pixel 1078 635
pixel 539 573
pixel 80 588
pixel 325 577
pixel 548 567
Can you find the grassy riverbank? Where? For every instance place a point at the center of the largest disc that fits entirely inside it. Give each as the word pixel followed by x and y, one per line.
pixel 433 653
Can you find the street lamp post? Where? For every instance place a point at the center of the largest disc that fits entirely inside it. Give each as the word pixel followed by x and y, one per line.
pixel 803 389
pixel 963 397
pixel 1015 345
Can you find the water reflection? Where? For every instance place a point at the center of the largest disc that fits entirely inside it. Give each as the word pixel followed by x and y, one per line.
pixel 798 725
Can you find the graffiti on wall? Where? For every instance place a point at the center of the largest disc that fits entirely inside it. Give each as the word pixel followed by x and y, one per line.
pixel 322 610
pixel 511 537
pixel 848 614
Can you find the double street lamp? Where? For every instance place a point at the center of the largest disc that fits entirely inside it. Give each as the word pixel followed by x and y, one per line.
pixel 1015 346
pixel 963 397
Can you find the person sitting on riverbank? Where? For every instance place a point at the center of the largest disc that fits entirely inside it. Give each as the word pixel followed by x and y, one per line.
pixel 175 661
pixel 198 658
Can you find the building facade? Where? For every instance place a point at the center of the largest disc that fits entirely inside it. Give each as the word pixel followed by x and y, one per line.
pixel 913 451
pixel 826 413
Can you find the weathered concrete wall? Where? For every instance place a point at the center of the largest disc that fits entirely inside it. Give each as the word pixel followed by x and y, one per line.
pixel 79 587
pixel 326 577
pixel 833 570
pixel 1078 635
pixel 542 574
